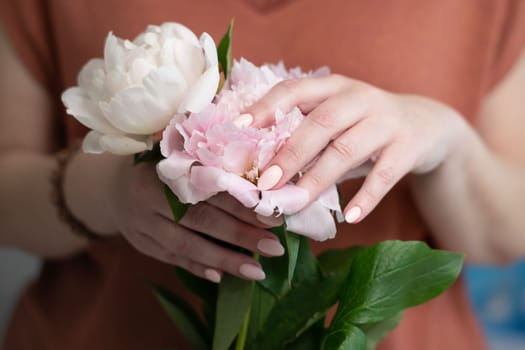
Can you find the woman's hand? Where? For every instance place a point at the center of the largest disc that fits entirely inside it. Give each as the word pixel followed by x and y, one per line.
pixel 142 214
pixel 348 124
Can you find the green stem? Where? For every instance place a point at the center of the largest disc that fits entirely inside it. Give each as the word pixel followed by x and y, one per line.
pixel 243 334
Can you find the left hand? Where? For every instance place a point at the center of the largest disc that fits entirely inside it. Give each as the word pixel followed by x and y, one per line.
pixel 349 123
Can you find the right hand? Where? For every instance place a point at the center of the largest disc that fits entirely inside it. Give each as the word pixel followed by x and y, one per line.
pixel 143 216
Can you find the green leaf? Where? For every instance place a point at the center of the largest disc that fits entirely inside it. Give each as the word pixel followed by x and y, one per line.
pixel 178 209
pixel 391 276
pixel 337 261
pixel 204 289
pixel 307 267
pixel 375 332
pixel 224 51
pixel 297 311
pixel 184 317
pixel 152 156
pixel 277 268
pixel 232 305
pixel 293 242
pixel 309 340
pixel 349 337
pixel 262 304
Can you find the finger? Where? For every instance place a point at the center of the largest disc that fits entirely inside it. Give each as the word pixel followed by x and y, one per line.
pixel 150 247
pixel 394 163
pixel 323 124
pixel 232 206
pixel 185 243
pixel 216 223
pixel 346 153
pixel 305 93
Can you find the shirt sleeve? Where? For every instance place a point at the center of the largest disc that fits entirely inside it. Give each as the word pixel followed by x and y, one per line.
pixel 27 27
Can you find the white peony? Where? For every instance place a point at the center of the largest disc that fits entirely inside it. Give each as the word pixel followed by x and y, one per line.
pixel 136 89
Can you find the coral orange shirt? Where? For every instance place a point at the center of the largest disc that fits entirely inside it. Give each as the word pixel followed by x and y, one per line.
pixel 453 51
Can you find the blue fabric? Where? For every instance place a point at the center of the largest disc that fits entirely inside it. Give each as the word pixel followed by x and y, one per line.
pixel 498 296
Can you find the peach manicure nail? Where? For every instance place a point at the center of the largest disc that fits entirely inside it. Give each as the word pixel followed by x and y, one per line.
pixel 243 120
pixel 270 177
pixel 270 247
pixel 352 215
pixel 252 272
pixel 212 275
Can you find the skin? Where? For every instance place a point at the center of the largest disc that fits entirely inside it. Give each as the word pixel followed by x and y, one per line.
pixel 110 195
pixel 467 183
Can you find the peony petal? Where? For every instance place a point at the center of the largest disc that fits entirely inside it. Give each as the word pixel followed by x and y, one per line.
pixel 239 157
pixel 79 105
pixel 91 78
pixel 167 86
pixel 91 143
pixel 202 92
pixel 114 53
pixel 172 140
pixel 210 50
pixel 288 200
pixel 215 180
pixel 134 111
pixel 188 58
pixel 125 144
pixel 315 221
pixel 184 190
pixel 178 164
pixel 330 198
pixel 180 31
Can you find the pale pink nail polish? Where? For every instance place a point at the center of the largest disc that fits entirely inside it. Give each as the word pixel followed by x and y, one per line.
pixel 352 215
pixel 252 272
pixel 270 177
pixel 213 275
pixel 270 247
pixel 243 120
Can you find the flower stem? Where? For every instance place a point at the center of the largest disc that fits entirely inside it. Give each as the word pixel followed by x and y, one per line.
pixel 241 339
pixel 243 333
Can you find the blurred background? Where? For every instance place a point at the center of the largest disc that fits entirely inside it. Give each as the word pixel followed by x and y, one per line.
pixel 497 293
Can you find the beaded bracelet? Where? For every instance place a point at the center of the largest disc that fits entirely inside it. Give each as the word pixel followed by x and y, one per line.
pixel 58 196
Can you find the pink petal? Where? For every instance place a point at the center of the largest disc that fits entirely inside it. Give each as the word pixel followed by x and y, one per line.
pixel 215 180
pixel 288 200
pixel 184 190
pixel 172 140
pixel 178 164
pixel 315 221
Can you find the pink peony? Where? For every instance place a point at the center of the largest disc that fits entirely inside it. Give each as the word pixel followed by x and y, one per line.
pixel 209 152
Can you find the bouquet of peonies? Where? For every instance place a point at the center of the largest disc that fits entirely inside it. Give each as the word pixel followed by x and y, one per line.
pixel 167 81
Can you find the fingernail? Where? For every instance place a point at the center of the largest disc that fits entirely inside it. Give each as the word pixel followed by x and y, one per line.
pixel 270 177
pixel 212 275
pixel 252 272
pixel 270 220
pixel 243 120
pixel 270 247
pixel 352 215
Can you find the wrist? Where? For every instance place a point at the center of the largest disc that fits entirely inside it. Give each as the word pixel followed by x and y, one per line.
pixel 88 189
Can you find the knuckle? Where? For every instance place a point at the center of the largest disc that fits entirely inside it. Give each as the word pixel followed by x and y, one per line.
pixel 343 149
pixel 291 154
pixel 315 179
pixel 181 245
pixel 199 216
pixel 322 118
pixel 369 195
pixel 289 86
pixel 386 176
